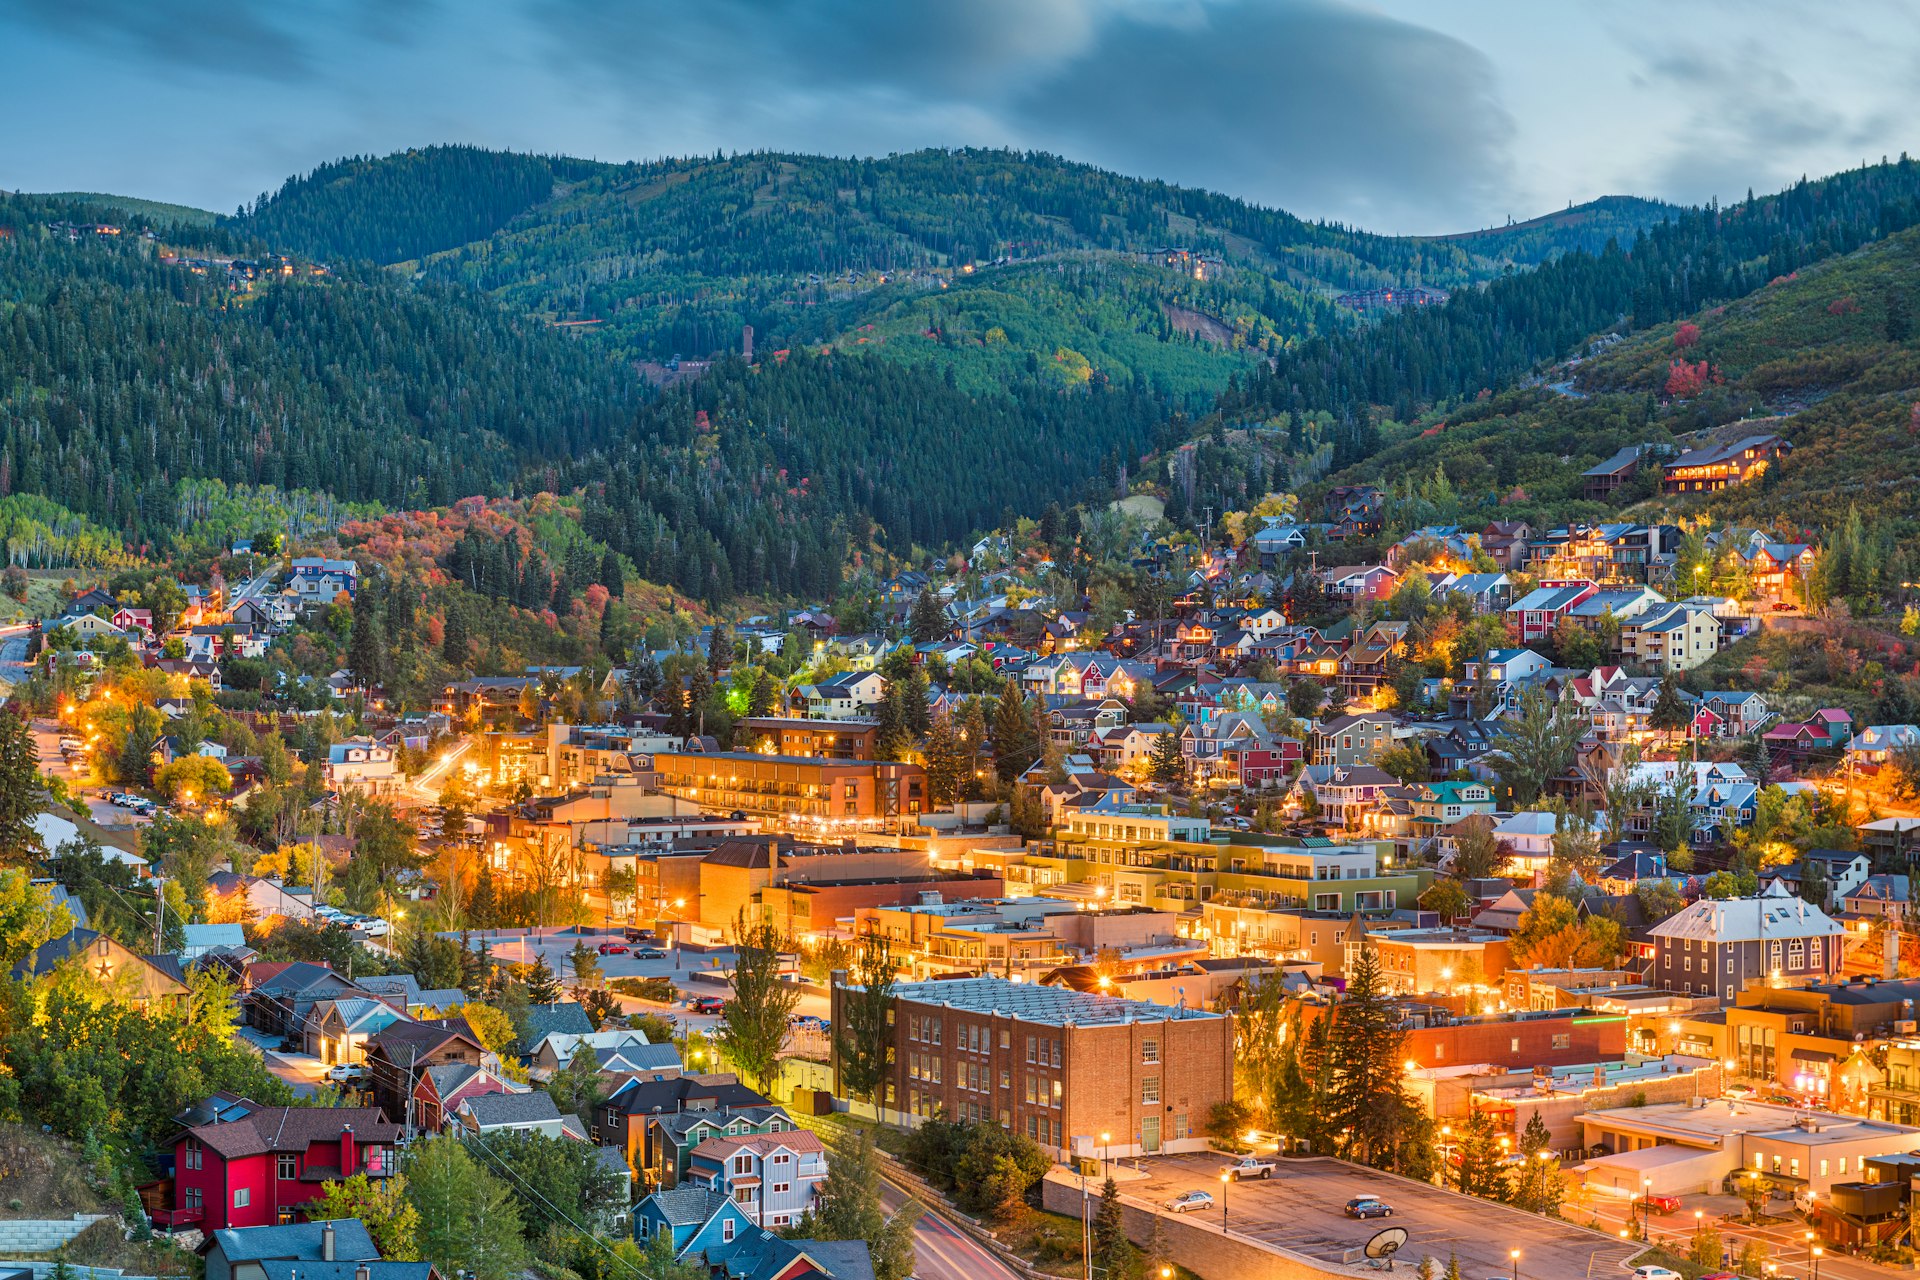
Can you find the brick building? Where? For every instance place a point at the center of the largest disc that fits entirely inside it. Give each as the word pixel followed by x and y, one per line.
pixel 805 737
pixel 798 791
pixel 1056 1064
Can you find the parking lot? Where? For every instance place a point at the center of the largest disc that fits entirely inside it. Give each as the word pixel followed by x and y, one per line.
pixel 1302 1209
pixel 680 965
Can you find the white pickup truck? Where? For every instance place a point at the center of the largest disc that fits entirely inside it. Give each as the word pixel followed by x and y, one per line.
pixel 1250 1167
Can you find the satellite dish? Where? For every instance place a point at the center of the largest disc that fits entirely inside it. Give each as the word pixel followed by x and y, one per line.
pixel 1384 1245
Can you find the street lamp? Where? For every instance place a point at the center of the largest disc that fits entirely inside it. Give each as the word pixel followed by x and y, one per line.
pixel 1646 1208
pixel 1224 1181
pixel 1105 1138
pixel 1514 1256
pixel 1818 1253
pixel 1699 1221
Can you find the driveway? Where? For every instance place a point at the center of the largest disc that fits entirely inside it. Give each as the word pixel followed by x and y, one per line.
pixel 1301 1209
pixel 302 1071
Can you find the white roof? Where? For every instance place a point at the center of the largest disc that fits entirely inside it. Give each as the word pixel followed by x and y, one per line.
pixel 1774 914
pixel 55 831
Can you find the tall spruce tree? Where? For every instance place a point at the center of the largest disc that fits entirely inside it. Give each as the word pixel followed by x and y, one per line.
pixel 1014 744
pixel 1370 1112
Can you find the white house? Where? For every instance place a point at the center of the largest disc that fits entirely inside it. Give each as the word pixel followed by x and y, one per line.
pixel 772 1176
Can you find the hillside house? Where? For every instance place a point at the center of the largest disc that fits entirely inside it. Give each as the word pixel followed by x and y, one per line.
pixel 1713 467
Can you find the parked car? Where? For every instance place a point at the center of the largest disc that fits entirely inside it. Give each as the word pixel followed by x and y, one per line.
pixel 1368 1207
pixel 649 953
pixel 1661 1204
pixel 345 1073
pixel 1189 1200
pixel 707 1004
pixel 1250 1167
pixel 613 948
pixel 373 927
pixel 1652 1272
pixel 638 935
pixel 1739 1091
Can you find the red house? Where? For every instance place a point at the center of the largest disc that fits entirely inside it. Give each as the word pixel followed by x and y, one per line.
pixel 252 1166
pixel 1261 765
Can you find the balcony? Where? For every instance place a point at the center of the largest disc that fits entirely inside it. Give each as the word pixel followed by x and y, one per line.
pixel 173 1219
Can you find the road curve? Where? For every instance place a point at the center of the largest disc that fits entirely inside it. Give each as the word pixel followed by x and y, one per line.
pixel 941 1250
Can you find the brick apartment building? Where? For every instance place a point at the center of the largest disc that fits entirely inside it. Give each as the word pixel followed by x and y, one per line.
pixel 1056 1064
pixel 797 736
pixel 797 791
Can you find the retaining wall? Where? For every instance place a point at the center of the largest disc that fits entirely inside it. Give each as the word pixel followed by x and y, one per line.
pixel 42 1235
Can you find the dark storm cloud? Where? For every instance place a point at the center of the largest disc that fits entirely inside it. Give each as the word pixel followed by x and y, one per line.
pixel 244 37
pixel 260 39
pixel 1310 104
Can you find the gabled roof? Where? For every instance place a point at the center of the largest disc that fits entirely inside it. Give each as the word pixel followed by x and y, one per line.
pixel 687 1205
pixel 299 1241
pixel 1774 914
pixel 344 1269
pixel 491 1110
pixel 293 1129
pixel 561 1016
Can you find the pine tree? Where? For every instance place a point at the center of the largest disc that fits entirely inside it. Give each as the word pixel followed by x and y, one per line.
pixel 1014 744
pixel 1165 764
pixel 455 648
pixel 1480 1172
pixel 1537 1185
pixel 1112 1252
pixel 367 644
pixel 20 796
pixel 543 985
pixel 1669 713
pixel 946 763
pixel 1368 1107
pixel 893 739
pixel 928 621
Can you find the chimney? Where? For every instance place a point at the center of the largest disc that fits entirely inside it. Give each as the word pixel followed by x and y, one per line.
pixel 347 1162
pixel 326 1242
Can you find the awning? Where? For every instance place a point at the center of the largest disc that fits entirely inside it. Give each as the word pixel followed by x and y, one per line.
pixel 1812 1055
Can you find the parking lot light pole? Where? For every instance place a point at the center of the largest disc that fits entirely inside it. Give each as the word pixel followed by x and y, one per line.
pixel 1818 1253
pixel 1514 1256
pixel 1225 1180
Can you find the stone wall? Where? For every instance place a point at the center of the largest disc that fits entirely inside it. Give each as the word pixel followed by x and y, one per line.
pixel 42 1235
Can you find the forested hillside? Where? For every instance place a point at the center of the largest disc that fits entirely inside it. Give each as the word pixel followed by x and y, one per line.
pixel 1583 226
pixel 1825 356
pixel 127 376
pixel 1484 338
pixel 674 257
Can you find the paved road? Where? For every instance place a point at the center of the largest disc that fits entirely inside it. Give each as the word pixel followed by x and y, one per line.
pixel 1301 1209
pixel 1785 1242
pixel 942 1251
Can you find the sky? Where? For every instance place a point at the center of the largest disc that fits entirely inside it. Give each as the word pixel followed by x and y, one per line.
pixel 1401 116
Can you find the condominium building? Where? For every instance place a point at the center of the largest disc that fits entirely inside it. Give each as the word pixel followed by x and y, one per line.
pixel 1054 1063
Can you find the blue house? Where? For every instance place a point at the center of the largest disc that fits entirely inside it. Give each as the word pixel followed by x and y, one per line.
pixel 698 1218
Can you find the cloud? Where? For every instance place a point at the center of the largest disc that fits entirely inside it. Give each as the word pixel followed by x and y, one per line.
pixel 270 40
pixel 1313 104
pixel 1744 120
pixel 242 37
pixel 1318 107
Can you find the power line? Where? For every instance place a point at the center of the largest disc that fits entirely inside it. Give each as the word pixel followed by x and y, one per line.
pixel 480 1141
